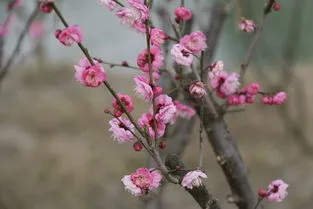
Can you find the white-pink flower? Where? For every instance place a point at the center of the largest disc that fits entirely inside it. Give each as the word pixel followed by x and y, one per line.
pixel 231 84
pixel 165 109
pixel 142 181
pixel 143 87
pixel 277 191
pixel 193 179
pixel 146 122
pixel 70 35
pixel 110 4
pixel 89 75
pixel 247 26
pixel 215 69
pixel 184 111
pixel 158 36
pixel 135 15
pixel 122 130
pixel 195 42
pixel 181 55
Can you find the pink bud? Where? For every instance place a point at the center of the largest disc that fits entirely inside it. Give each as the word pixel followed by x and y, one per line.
pixel 106 110
pixel 276 6
pixel 262 193
pixel 162 144
pixel 267 100
pixel 46 7
pixel 253 88
pixel 280 98
pixel 250 100
pixel 57 33
pixel 157 90
pixel 137 146
pixel 125 64
pixel 197 89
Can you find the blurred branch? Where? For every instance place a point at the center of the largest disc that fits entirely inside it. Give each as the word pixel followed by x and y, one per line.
pixel 7 66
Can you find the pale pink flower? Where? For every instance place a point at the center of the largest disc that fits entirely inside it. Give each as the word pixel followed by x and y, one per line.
pixel 218 80
pixel 89 75
pixel 197 90
pixel 135 15
pixel 277 191
pixel 231 84
pixel 110 4
pixel 158 36
pixel 142 181
pixel 184 111
pixel 143 87
pixel 280 98
pixel 122 130
pixel 70 35
pixel 195 42
pixel 165 108
pixel 156 59
pixel 37 29
pixel 193 179
pixel 146 121
pixel 183 13
pixel 247 26
pixel 181 55
pixel 126 100
pixel 215 69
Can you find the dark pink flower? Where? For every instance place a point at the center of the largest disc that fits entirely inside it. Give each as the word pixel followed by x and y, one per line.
pixel 126 100
pixel 70 35
pixel 46 6
pixel 165 109
pixel 156 59
pixel 158 37
pixel 183 13
pixel 142 181
pixel 146 122
pixel 195 42
pixel 89 75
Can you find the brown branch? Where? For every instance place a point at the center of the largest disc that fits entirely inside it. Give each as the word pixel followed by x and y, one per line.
pixel 17 48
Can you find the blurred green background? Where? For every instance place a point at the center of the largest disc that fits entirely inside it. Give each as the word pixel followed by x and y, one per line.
pixel 55 148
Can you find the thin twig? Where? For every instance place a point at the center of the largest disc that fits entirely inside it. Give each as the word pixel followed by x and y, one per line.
pixel 200 163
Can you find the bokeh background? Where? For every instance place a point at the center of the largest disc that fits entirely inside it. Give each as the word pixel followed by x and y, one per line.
pixel 55 148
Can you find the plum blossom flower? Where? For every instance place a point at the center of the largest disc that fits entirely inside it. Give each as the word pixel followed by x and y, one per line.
pixel 231 84
pixel 253 88
pixel 121 129
pixel 184 111
pixel 277 191
pixel 193 179
pixel 247 26
pixel 142 181
pixel 236 99
pixel 165 108
pixel 135 15
pixel 183 13
pixel 37 29
pixel 197 90
pixel 158 37
pixel 156 59
pixel 143 87
pixel 280 98
pixel 126 100
pixel 70 35
pixel 110 4
pixel 181 55
pixel 89 75
pixel 195 42
pixel 146 121
pixel 215 69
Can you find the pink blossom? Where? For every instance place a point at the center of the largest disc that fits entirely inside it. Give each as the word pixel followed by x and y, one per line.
pixel 184 111
pixel 158 37
pixel 215 69
pixel 146 121
pixel 195 42
pixel 142 181
pixel 253 88
pixel 110 4
pixel 250 99
pixel 266 99
pixel 143 87
pixel 231 84
pixel 122 130
pixel 165 108
pixel 37 29
pixel 217 81
pixel 126 100
pixel 193 179
pixel 70 35
pixel 197 90
pixel 247 26
pixel 183 13
pixel 46 6
pixel 181 55
pixel 236 99
pixel 156 59
pixel 89 75
pixel 277 191
pixel 280 98
pixel 135 15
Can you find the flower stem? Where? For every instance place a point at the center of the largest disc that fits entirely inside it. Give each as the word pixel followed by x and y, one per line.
pixel 200 163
